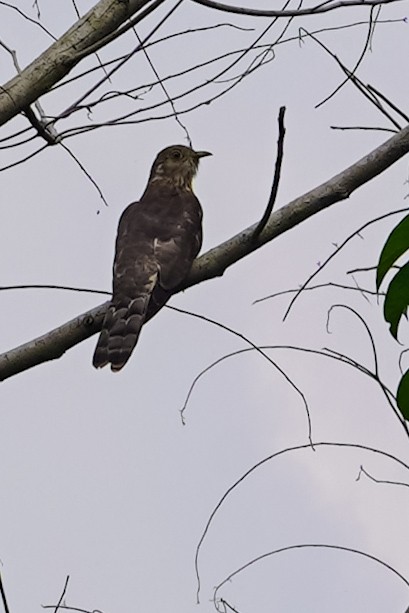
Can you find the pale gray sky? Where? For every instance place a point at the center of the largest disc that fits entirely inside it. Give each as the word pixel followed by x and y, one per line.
pixel 100 480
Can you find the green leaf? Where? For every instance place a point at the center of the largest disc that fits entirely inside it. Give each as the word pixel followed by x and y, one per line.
pixel 402 395
pixel 397 299
pixel 396 244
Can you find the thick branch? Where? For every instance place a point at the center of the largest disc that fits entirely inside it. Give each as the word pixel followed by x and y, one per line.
pixel 213 263
pixel 57 61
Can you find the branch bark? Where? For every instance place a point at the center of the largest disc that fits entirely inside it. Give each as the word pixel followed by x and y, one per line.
pixel 212 264
pixel 59 59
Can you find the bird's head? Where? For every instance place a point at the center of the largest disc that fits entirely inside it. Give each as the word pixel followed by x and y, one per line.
pixel 177 164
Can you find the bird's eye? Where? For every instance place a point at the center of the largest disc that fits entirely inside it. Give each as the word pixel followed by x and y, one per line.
pixel 176 154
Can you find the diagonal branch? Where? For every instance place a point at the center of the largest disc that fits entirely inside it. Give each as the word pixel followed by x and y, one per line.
pixel 213 263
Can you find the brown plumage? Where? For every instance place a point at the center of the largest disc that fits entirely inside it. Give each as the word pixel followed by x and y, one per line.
pixel 158 239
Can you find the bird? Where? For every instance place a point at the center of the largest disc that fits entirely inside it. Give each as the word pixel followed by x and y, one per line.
pixel 157 241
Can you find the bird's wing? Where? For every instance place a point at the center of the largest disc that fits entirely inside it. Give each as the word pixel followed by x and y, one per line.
pixel 135 274
pixel 174 258
pixel 175 248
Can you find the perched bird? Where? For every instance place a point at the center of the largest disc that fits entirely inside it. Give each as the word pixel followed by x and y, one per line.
pixel 158 239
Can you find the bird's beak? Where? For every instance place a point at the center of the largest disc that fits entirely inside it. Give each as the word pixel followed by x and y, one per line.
pixel 202 154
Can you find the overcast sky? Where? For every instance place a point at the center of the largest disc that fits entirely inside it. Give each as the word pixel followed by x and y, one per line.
pixel 100 479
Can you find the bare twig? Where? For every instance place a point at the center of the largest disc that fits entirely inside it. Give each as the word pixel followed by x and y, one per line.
pixel 388 101
pixel 261 352
pixel 269 554
pixel 25 16
pixel 307 350
pixel 226 604
pixel 368 268
pixel 86 173
pixel 277 171
pixel 62 594
pixel 337 250
pixel 362 471
pixel 191 31
pixel 69 288
pixel 3 596
pixel 165 91
pixel 354 79
pixel 19 143
pixel 351 73
pixel 68 608
pixel 121 120
pixel 375 373
pixel 129 55
pixel 324 7
pixel 24 159
pixel 14 135
pixel 319 286
pixel 37 7
pixel 273 456
pixel 369 128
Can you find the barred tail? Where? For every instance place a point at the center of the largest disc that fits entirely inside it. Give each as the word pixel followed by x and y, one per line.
pixel 120 332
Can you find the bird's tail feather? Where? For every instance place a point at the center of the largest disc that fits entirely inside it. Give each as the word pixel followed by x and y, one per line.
pixel 120 332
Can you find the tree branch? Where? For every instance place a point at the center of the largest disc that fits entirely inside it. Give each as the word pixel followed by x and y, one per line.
pixel 323 7
pixel 57 61
pixel 277 173
pixel 212 264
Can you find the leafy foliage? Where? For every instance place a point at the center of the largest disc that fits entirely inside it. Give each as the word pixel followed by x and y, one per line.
pixel 395 246
pixel 402 396
pixel 397 295
pixel 397 299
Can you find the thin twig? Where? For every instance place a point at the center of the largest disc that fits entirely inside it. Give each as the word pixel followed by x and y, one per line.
pixel 297 547
pixel 362 471
pixel 337 250
pixel 163 88
pixel 20 12
pixel 69 288
pixel 120 120
pixel 86 173
pixel 368 269
pixel 357 64
pixel 354 79
pixel 324 353
pixel 323 7
pixel 369 128
pixel 277 173
pixel 320 286
pixel 389 102
pixel 62 594
pixel 226 604
pixel 3 596
pixel 258 350
pixel 73 106
pixel 191 31
pixel 264 461
pixel 24 159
